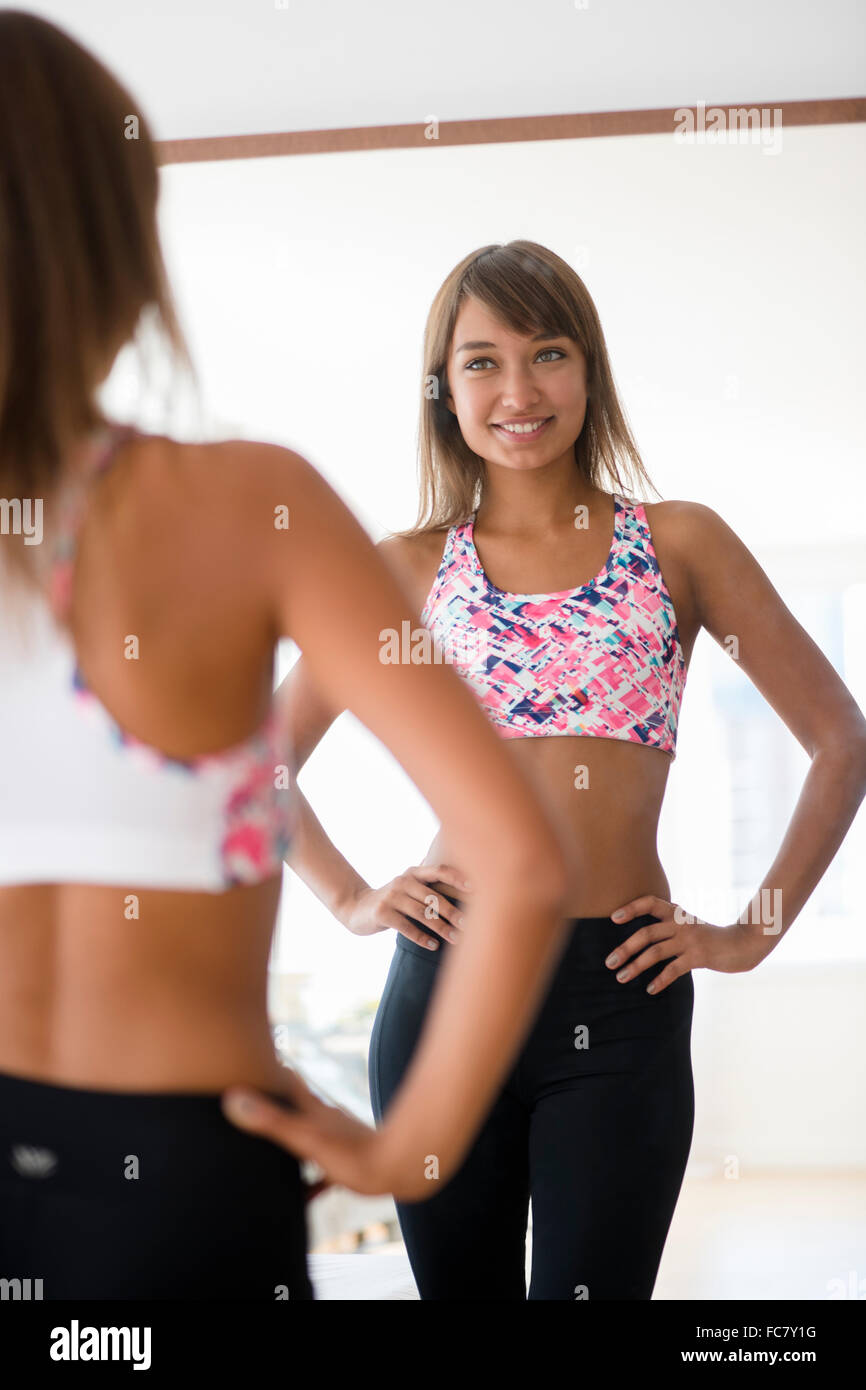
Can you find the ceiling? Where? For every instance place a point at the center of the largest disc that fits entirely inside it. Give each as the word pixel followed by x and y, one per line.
pixel 236 67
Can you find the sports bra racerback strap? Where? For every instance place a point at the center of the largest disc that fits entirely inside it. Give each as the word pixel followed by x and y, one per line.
pixel 72 502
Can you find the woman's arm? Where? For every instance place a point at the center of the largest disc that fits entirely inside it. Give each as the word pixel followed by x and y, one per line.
pixel 735 601
pixel 332 593
pixel 738 605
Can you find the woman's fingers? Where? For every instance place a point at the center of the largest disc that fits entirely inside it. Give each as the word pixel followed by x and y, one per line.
pixel 413 895
pixel 256 1112
pixel 406 922
pixel 304 1130
pixel 293 1096
pixel 347 1151
pixel 294 1089
pixel 442 873
pixel 428 879
pixel 434 911
pixel 638 941
pixel 649 903
pixel 662 950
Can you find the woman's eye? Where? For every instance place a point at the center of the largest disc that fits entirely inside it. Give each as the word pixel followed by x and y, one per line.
pixel 480 360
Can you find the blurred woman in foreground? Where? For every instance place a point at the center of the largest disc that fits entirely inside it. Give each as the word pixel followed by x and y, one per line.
pixel 147 794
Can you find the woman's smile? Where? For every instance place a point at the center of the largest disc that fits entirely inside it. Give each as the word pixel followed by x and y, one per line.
pixel 523 429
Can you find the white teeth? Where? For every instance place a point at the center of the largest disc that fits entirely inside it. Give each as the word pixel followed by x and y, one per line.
pixel 523 429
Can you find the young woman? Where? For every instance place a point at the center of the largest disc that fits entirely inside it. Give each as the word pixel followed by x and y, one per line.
pixel 146 790
pixel 571 611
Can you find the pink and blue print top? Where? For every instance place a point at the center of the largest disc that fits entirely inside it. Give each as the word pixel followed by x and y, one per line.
pixel 600 661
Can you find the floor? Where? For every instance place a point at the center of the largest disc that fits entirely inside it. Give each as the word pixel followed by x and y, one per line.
pixel 773 1236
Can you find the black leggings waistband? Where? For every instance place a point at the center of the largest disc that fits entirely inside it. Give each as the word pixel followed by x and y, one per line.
pixel 83 1139
pixel 143 1195
pixel 586 940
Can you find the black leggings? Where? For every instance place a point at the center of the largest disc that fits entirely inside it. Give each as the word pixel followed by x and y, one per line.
pixel 131 1195
pixel 594 1124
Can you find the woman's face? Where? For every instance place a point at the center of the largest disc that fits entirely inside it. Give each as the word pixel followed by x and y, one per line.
pixel 498 376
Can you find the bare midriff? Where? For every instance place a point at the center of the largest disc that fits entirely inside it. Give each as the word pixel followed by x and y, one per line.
pixel 606 795
pixel 174 999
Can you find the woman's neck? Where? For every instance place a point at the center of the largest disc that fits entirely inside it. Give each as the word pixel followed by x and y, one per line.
pixel 535 509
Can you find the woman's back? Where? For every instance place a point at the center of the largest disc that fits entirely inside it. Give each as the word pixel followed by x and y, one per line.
pixel 148 987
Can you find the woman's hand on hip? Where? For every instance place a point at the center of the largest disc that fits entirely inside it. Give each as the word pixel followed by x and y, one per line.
pixel 407 902
pixel 685 941
pixel 349 1152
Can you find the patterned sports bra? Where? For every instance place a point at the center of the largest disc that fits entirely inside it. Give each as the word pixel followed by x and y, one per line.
pixel 82 800
pixel 600 661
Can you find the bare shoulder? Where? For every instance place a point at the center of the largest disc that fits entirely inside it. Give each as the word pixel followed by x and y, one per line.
pixel 239 485
pixel 172 467
pixel 414 560
pixel 416 554
pixel 245 484
pixel 680 531
pixel 698 537
pixel 237 468
pixel 678 523
pixel 241 465
pixel 205 511
pixel 723 574
pixel 685 534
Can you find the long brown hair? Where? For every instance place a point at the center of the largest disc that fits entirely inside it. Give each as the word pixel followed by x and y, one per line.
pixel 532 290
pixel 80 258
